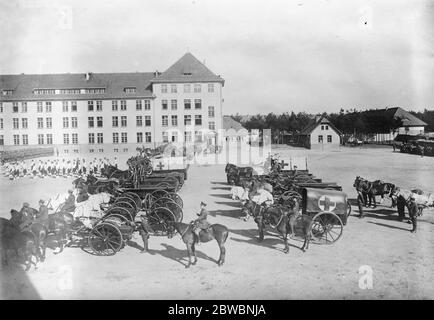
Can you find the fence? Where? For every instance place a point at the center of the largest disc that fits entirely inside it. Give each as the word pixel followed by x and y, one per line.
pixel 23 154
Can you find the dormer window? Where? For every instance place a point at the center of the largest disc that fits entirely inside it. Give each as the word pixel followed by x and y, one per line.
pixel 130 90
pixel 187 73
pixel 7 92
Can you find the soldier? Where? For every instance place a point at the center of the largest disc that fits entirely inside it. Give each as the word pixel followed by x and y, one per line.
pixel 43 213
pixel 201 222
pixel 144 229
pixel 413 210
pixel 116 162
pixel 69 205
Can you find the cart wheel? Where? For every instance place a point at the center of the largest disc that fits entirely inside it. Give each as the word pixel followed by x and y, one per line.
pixel 175 197
pixel 159 219
pixel 348 208
pixel 128 200
pixel 159 193
pixel 326 228
pixel 105 239
pixel 147 202
pixel 171 205
pixel 121 211
pixel 134 196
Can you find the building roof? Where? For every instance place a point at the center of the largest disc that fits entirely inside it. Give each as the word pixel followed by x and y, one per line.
pixel 188 69
pixel 229 123
pixel 408 120
pixel 315 123
pixel 114 84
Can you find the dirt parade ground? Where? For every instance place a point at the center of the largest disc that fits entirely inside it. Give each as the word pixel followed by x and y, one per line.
pixel 399 262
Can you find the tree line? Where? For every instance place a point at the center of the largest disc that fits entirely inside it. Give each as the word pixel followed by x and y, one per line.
pixel 347 121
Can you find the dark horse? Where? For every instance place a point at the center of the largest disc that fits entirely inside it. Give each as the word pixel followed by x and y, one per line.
pixel 215 231
pixel 367 190
pixel 282 219
pixel 234 173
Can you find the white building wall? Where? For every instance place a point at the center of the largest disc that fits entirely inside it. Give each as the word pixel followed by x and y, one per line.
pixel 318 131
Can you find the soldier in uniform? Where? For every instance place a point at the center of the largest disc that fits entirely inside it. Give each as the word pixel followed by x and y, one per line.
pixel 27 214
pixel 69 205
pixel 201 222
pixel 413 210
pixel 43 213
pixel 144 229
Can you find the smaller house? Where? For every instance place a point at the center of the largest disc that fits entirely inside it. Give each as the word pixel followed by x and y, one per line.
pixel 234 131
pixel 319 134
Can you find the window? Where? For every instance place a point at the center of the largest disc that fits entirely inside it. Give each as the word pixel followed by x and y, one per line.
pixel 198 120
pixel 115 150
pixel 174 121
pixel 91 150
pixel 164 104
pixel 1 107
pixel 114 105
pixel 74 106
pixel 74 122
pixel 187 88
pixel 197 103
pixel 322 127
pixel 14 107
pixel 211 113
pixel 165 121
pixel 147 104
pixel 1 123
pixel 40 139
pixel 94 90
pixel 7 92
pixel 91 138
pixel 65 122
pixel 39 106
pixel 147 121
pixel 49 122
pixel 17 139
pixel 49 138
pixel 210 87
pixel 187 104
pixel 320 139
pixel 123 121
pixel 99 105
pixel 74 138
pixel 65 138
pixel 124 137
pixel 174 104
pixel 130 90
pixel 99 123
pixel 198 136
pixel 123 105
pixel 24 123
pixel 90 122
pixel 326 127
pixel 173 88
pixel 148 137
pixel 187 136
pixel 2 140
pixel 115 122
pixel 16 123
pixel 211 125
pixel 164 88
pixel 25 139
pixel 48 106
pixel 139 137
pixel 165 137
pixel 40 123
pixel 187 120
pixel 139 121
pixel 115 137
pixel 174 136
pixel 65 106
pixel 24 108
pixel 197 88
pixel 138 105
pixel 90 106
pixel 329 138
pixel 99 137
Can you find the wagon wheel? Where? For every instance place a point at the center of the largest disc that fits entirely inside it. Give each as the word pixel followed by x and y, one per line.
pixel 175 197
pixel 159 193
pixel 127 206
pixel 326 228
pixel 127 199
pixel 133 196
pixel 159 219
pixel 348 208
pixel 117 219
pixel 170 204
pixel 105 239
pixel 148 200
pixel 290 194
pixel 121 211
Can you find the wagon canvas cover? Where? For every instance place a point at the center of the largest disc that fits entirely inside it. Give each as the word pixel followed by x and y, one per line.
pixel 317 200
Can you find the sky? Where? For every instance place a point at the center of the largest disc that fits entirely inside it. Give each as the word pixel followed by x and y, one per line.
pixel 275 55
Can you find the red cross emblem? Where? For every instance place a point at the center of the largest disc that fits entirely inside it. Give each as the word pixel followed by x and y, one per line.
pixel 160 166
pixel 325 204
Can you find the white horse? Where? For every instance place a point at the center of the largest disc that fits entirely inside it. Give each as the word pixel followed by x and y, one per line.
pixel 239 193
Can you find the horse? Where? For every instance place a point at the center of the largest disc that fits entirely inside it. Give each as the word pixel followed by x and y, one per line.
pixel 367 190
pixel 215 231
pixel 12 238
pixel 282 219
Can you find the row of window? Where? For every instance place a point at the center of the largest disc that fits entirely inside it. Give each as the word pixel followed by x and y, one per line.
pixel 197 88
pixel 69 91
pixel 329 139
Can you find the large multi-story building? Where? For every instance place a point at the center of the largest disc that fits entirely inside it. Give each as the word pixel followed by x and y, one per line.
pixel 99 112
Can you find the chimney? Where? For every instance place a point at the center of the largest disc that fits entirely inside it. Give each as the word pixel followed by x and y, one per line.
pixel 87 75
pixel 156 73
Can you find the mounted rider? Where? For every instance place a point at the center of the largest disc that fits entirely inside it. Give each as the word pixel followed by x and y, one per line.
pixel 69 204
pixel 263 198
pixel 201 223
pixel 42 215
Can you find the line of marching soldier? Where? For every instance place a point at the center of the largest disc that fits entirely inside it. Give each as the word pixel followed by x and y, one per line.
pixel 55 167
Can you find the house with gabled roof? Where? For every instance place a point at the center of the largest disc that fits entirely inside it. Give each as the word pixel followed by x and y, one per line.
pixel 320 133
